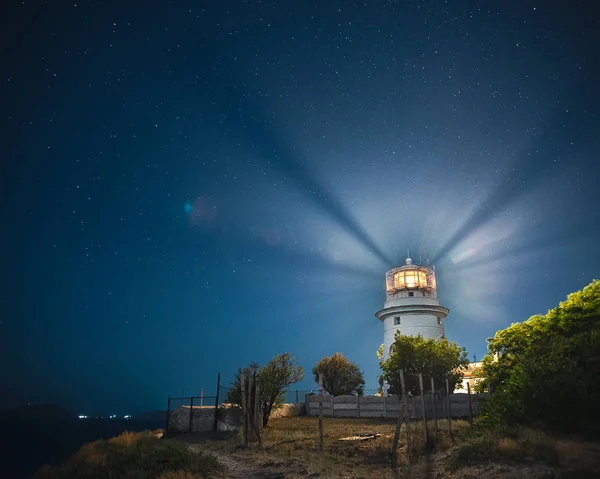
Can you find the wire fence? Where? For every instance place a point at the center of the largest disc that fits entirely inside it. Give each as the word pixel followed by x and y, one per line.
pixel 365 423
pixel 371 423
pixel 194 413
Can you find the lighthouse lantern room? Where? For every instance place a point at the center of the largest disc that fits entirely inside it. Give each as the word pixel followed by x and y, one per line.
pixel 412 306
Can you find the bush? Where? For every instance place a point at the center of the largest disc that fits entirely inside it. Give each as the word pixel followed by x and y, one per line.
pixel 486 446
pixel 133 456
pixel 546 368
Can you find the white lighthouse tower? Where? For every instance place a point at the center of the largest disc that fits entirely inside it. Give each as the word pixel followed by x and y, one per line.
pixel 411 305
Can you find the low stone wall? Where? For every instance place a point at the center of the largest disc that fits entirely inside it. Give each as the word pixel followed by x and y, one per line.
pixel 289 410
pixel 203 419
pixel 388 407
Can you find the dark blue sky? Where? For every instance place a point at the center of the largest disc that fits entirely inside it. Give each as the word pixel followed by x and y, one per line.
pixel 190 186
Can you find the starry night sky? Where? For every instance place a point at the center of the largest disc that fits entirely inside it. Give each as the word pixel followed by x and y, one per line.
pixel 190 186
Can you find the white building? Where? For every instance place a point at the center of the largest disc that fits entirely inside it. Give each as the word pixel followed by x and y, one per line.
pixel 471 377
pixel 411 305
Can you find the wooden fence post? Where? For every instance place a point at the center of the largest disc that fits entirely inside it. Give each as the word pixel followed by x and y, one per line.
pixel 244 408
pixel 470 406
pixel 406 418
pixel 384 405
pixel 435 421
pixel 448 412
pixel 425 435
pixel 358 404
pixel 321 411
pixel 397 432
pixel 257 408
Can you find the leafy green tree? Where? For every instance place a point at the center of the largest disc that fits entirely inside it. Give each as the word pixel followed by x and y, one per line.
pixel 340 376
pixel 274 378
pixel 547 368
pixel 414 354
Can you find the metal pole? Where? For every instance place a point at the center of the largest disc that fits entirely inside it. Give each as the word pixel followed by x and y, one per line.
pixel 216 425
pixel 425 435
pixel 191 413
pixel 201 396
pixel 435 421
pixel 297 397
pixel 168 413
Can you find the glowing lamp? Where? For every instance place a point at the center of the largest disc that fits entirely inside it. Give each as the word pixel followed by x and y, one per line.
pixel 412 306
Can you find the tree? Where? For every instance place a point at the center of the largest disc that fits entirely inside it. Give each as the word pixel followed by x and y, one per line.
pixel 414 354
pixel 546 368
pixel 340 376
pixel 234 395
pixel 274 378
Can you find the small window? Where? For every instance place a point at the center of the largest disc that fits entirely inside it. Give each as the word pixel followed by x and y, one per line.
pixel 396 320
pixel 411 293
pixel 439 321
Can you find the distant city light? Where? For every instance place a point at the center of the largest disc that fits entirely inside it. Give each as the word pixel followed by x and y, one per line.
pixel 82 417
pixel 127 417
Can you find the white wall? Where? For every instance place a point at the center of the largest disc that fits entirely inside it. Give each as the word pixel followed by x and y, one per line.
pixel 388 407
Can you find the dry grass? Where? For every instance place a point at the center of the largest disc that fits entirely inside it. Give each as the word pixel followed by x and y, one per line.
pixel 297 439
pixel 180 475
pixel 291 446
pixel 134 456
pixel 528 450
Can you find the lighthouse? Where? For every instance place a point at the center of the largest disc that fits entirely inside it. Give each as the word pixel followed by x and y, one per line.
pixel 412 306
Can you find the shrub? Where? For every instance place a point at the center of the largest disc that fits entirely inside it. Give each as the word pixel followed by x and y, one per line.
pixel 134 455
pixel 485 446
pixel 546 368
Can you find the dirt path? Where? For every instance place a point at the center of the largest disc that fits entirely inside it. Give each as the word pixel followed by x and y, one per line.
pixel 236 469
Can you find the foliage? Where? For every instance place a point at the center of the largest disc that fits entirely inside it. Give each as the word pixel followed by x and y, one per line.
pixel 134 455
pixel 340 376
pixel 490 445
pixel 274 378
pixel 379 355
pixel 546 368
pixel 434 359
pixel 234 395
